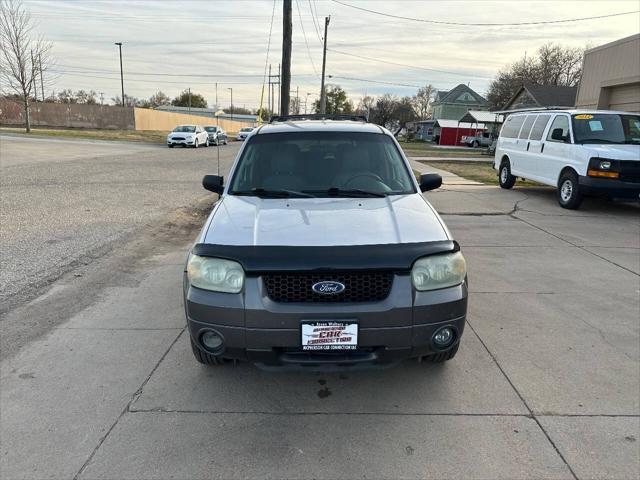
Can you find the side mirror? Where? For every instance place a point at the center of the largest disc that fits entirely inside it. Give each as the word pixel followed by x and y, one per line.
pixel 556 134
pixel 213 183
pixel 430 181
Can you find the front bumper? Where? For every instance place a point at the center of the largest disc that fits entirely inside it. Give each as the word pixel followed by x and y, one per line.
pixel 179 142
pixel 610 187
pixel 256 329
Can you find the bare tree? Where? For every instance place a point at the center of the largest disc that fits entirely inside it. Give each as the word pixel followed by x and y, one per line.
pixel 422 101
pixel 552 65
pixel 23 54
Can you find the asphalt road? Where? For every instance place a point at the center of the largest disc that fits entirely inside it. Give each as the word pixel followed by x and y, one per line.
pixel 66 202
pixel 546 383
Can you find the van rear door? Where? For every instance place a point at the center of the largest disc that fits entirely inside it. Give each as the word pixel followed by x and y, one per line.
pixel 536 144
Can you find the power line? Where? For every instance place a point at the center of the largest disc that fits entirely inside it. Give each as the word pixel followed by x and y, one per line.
pixel 406 65
pixel 102 77
pixel 305 39
pixel 266 60
pixel 464 24
pixel 375 81
pixel 316 22
pixel 164 74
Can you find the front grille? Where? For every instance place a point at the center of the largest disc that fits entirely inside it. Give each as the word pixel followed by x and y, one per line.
pixel 359 287
pixel 177 138
pixel 630 171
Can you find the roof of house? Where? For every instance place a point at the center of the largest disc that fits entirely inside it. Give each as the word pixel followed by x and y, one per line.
pixel 483 116
pixel 454 93
pixel 547 95
pixel 443 123
pixel 440 94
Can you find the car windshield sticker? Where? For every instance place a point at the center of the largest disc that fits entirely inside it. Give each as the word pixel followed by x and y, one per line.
pixel 595 126
pixel 583 117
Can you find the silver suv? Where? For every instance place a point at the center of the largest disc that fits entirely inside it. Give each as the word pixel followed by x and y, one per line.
pixel 322 253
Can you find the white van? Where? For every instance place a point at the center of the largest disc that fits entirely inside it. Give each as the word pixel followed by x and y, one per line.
pixel 581 152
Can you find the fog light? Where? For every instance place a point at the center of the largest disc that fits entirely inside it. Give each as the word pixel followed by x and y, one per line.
pixel 211 340
pixel 444 337
pixel 605 165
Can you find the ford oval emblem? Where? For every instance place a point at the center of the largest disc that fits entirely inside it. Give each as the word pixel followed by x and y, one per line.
pixel 328 288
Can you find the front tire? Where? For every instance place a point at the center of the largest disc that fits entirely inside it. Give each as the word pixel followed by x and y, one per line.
pixel 224 142
pixel 206 144
pixel 568 191
pixel 170 146
pixel 476 144
pixel 505 178
pixel 195 144
pixel 204 357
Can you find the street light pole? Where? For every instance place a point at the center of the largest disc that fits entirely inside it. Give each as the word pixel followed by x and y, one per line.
pixel 231 88
pixel 119 44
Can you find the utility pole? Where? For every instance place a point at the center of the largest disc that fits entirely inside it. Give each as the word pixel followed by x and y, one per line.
pixel 119 44
pixel 217 108
pixel 278 92
pixel 323 96
pixel 269 93
pixel 298 100
pixel 189 99
pixel 285 84
pixel 41 79
pixel 101 98
pixel 231 88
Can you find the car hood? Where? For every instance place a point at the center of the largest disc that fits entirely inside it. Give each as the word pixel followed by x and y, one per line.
pixel 239 220
pixel 614 152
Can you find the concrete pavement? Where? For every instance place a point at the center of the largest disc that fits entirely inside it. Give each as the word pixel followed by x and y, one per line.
pixel 545 384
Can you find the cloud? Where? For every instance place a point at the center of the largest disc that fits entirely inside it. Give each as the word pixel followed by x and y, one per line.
pixel 226 38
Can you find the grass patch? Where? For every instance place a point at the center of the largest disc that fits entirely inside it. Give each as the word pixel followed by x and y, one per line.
pixel 426 149
pixel 476 171
pixel 113 135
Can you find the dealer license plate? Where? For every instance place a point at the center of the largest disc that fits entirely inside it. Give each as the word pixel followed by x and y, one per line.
pixel 329 336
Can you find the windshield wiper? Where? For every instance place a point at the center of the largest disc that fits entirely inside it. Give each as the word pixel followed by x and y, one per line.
pixel 266 193
pixel 348 192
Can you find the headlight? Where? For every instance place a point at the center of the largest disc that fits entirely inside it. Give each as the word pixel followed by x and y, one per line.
pixel 215 274
pixel 439 271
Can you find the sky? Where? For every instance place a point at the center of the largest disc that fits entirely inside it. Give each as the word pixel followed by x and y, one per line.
pixel 174 45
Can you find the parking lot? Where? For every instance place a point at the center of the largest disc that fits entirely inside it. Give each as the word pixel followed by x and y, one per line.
pixel 545 385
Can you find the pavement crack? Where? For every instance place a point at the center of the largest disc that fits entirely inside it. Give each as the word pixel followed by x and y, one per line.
pixel 127 407
pixel 524 402
pixel 581 247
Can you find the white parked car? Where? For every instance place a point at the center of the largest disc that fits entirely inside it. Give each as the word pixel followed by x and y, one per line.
pixel 244 133
pixel 580 152
pixel 188 136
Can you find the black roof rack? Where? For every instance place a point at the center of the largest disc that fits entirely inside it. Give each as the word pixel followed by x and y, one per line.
pixel 319 116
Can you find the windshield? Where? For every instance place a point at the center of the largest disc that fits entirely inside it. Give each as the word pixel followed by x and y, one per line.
pixel 185 129
pixel 605 128
pixel 322 164
pixel 210 129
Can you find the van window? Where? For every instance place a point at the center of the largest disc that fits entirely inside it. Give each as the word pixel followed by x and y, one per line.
pixel 511 126
pixel 526 128
pixel 561 121
pixel 539 126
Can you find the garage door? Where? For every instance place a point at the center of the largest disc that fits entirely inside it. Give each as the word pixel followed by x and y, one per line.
pixel 625 97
